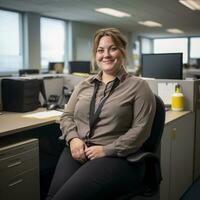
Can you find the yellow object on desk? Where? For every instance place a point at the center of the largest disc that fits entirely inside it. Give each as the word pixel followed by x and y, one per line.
pixel 80 74
pixel 177 99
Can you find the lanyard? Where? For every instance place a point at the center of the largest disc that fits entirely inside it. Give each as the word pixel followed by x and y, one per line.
pixel 94 115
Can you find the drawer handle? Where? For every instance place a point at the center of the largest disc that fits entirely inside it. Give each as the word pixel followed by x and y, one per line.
pixel 15 183
pixel 14 164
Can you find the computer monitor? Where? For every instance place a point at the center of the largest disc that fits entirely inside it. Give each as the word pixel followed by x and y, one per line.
pixel 23 72
pixel 198 63
pixel 79 66
pixel 57 67
pixel 162 66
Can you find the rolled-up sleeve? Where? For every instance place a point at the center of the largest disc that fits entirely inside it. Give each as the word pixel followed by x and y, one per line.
pixel 67 123
pixel 143 106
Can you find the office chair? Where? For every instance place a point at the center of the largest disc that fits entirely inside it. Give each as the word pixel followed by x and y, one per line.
pixel 150 185
pixel 28 71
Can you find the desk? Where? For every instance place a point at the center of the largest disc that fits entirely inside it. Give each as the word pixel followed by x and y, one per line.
pixel 19 171
pixel 15 129
pixel 172 116
pixel 173 145
pixel 12 122
pixel 177 154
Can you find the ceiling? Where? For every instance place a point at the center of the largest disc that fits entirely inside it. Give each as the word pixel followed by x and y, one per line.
pixel 169 13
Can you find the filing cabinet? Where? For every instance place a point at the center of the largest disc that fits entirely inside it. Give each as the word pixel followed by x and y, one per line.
pixel 19 171
pixel 177 151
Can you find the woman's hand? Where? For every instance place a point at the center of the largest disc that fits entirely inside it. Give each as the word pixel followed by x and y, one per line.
pixel 94 152
pixel 77 147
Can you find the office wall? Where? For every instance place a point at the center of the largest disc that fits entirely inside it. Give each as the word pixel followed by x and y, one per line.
pixel 130 40
pixel 146 45
pixel 82 35
pixel 79 41
pixel 32 41
pixel 0 97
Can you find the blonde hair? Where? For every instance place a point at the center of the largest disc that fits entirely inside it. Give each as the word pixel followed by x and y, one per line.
pixel 117 37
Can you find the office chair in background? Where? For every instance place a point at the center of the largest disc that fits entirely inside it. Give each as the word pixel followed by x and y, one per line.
pixel 28 71
pixel 152 179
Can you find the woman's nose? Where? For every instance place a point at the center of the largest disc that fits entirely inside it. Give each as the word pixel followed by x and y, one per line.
pixel 106 53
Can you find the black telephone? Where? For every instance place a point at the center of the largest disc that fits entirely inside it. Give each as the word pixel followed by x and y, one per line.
pixel 57 102
pixel 53 98
pixel 53 102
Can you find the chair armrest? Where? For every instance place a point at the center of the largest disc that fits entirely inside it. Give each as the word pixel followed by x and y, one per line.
pixel 141 156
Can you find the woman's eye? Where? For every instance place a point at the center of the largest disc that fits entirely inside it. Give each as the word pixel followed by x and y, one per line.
pixel 113 49
pixel 99 50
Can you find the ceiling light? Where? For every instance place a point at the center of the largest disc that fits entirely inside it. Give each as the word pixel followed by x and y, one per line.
pixel 150 23
pixel 174 30
pixel 191 4
pixel 112 12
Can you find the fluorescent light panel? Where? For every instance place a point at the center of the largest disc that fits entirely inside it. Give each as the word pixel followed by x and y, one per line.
pixel 191 4
pixel 174 30
pixel 112 12
pixel 150 23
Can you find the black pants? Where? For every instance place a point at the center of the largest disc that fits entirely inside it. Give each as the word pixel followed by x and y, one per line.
pixel 99 179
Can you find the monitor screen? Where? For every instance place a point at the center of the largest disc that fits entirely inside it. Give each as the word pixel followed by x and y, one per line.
pixel 58 67
pixel 162 66
pixel 79 66
pixel 198 63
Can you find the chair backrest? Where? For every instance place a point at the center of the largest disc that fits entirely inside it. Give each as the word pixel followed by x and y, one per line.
pixel 152 178
pixel 28 71
pixel 152 143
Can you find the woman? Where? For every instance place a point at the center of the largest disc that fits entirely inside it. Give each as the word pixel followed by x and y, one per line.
pixel 108 117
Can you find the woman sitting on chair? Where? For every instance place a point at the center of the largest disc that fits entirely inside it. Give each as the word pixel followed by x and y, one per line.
pixel 108 117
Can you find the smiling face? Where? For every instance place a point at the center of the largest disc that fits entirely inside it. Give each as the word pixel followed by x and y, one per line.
pixel 108 56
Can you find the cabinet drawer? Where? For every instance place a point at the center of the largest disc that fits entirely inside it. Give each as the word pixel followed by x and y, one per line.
pixel 24 187
pixel 16 164
pixel 19 147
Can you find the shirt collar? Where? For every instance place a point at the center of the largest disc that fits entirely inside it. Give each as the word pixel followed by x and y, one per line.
pixel 121 76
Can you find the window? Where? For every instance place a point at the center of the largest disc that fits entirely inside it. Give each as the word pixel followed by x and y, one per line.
pixel 172 45
pixel 52 41
pixel 146 46
pixel 10 41
pixel 195 47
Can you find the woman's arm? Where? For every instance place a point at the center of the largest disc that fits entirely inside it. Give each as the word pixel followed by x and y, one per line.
pixel 69 130
pixel 67 124
pixel 143 115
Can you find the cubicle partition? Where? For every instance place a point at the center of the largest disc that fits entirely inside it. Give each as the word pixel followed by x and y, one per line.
pixel 0 96
pixel 197 129
pixel 185 126
pixel 180 145
pixel 166 87
pixel 191 92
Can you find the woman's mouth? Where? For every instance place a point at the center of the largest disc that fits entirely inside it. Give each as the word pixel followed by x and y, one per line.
pixel 108 61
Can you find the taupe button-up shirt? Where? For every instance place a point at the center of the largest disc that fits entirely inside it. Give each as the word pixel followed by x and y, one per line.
pixel 125 119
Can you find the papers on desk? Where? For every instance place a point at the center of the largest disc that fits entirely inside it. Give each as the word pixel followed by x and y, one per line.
pixel 165 91
pixel 44 114
pixel 80 74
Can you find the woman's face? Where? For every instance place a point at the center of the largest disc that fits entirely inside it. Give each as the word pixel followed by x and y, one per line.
pixel 108 57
